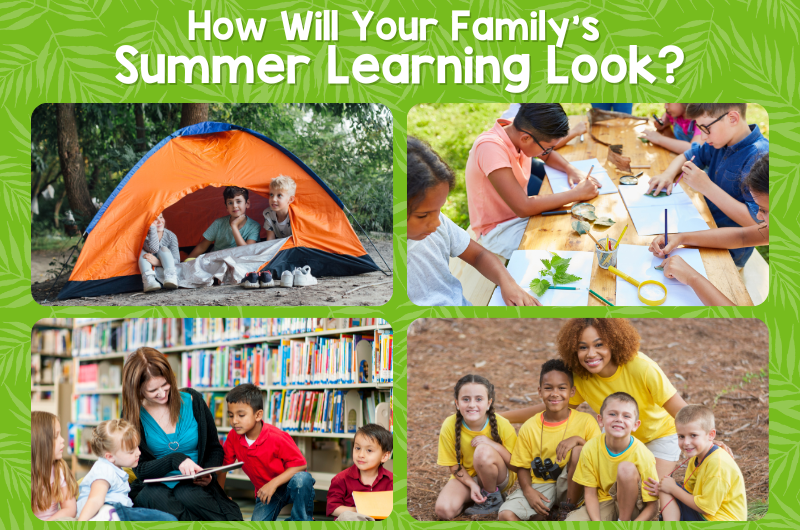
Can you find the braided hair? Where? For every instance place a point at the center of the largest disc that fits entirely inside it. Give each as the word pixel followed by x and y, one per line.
pixel 490 413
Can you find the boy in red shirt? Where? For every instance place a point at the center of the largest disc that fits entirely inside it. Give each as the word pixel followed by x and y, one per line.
pixel 372 446
pixel 272 461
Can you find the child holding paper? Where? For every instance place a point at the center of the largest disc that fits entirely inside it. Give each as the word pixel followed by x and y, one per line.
pixel 372 447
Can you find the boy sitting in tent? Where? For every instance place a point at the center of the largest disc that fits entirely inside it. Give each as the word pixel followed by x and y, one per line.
pixel 233 230
pixel 276 217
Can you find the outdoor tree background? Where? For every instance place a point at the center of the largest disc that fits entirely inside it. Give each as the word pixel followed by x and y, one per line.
pixel 348 145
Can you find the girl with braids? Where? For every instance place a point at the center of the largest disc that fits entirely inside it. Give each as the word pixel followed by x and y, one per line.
pixel 104 490
pixel 503 180
pixel 757 183
pixel 53 488
pixel 476 445
pixel 433 238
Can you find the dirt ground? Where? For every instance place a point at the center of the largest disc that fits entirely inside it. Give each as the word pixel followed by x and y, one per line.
pixel 329 291
pixel 720 363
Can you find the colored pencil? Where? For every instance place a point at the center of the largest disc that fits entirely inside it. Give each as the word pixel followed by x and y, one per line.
pixel 666 240
pixel 590 171
pixel 562 288
pixel 640 167
pixel 679 178
pixel 621 236
pixel 596 242
pixel 600 298
pixel 559 212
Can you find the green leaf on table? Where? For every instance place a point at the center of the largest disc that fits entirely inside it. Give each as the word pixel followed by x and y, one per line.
pixel 557 260
pixel 582 227
pixel 546 263
pixel 538 287
pixel 589 216
pixel 605 221
pixel 564 277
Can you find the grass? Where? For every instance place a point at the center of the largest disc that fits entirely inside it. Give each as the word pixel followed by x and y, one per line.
pixel 756 510
pixel 451 130
pixel 57 243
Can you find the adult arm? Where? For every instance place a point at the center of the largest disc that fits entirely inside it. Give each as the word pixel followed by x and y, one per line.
pixel 200 248
pixel 522 205
pixel 674 404
pixel 491 268
pixel 522 415
pixel 728 238
pixel 97 497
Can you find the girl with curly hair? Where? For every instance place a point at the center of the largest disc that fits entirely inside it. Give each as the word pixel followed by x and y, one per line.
pixel 476 445
pixel 603 355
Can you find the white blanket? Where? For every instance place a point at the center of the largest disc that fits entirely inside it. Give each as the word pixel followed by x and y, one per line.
pixel 229 266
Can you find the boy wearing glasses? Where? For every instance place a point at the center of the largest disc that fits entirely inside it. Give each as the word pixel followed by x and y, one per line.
pixel 731 148
pixel 498 175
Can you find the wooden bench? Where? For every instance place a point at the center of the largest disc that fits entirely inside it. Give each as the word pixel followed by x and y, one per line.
pixel 477 289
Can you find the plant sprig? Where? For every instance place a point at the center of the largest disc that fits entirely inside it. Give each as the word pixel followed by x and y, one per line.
pixel 556 268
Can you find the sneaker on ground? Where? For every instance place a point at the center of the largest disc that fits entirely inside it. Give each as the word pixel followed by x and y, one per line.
pixel 150 282
pixel 265 279
pixel 302 277
pixel 287 279
pixel 171 281
pixel 250 281
pixel 490 505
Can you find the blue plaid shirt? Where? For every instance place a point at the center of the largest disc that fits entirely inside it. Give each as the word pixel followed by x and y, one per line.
pixel 727 166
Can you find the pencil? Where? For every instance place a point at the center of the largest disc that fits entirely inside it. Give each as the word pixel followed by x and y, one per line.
pixel 562 288
pixel 600 298
pixel 679 178
pixel 596 242
pixel 590 171
pixel 559 212
pixel 666 241
pixel 621 236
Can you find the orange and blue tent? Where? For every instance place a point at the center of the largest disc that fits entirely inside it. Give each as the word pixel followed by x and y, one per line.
pixel 183 177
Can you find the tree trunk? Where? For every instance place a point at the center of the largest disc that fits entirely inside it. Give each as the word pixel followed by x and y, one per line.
pixel 141 140
pixel 57 209
pixel 192 113
pixel 72 166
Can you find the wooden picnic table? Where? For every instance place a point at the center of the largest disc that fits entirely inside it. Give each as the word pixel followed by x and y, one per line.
pixel 555 232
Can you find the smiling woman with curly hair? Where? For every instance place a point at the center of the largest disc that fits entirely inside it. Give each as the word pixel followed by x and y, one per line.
pixel 604 356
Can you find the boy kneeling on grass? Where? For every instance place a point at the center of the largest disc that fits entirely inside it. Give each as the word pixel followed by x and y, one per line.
pixel 272 461
pixel 613 467
pixel 713 489
pixel 372 447
pixel 547 452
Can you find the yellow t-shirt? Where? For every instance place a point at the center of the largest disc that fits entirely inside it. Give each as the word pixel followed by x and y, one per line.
pixel 641 378
pixel 529 442
pixel 447 444
pixel 718 487
pixel 598 469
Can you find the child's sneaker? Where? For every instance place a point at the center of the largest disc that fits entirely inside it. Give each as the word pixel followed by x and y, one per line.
pixel 150 283
pixel 250 280
pixel 302 277
pixel 171 281
pixel 490 505
pixel 265 279
pixel 287 279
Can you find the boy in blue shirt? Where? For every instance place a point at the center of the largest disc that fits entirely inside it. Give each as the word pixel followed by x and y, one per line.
pixel 233 230
pixel 731 148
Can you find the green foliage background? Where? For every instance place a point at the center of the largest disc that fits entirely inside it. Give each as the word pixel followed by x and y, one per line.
pixel 62 51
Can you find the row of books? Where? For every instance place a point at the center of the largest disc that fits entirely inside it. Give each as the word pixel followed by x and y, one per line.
pixel 52 341
pixel 382 358
pixel 97 376
pixel 49 370
pixel 309 411
pixel 94 408
pixel 55 322
pixel 323 360
pixel 226 366
pixel 129 334
pixel 79 439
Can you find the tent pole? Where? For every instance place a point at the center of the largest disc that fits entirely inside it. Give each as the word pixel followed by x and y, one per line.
pixel 370 240
pixel 55 283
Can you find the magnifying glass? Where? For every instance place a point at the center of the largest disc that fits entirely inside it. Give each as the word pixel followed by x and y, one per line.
pixel 651 292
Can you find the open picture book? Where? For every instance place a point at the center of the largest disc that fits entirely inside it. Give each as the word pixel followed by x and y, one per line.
pixel 207 471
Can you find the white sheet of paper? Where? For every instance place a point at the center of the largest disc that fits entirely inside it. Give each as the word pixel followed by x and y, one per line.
pixel 524 267
pixel 560 183
pixel 637 262
pixel 647 212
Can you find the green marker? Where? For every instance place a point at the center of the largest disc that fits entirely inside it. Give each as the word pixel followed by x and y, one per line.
pixel 601 298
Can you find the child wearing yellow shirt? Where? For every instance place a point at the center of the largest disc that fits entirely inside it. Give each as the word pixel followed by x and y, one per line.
pixel 475 444
pixel 713 489
pixel 614 466
pixel 547 451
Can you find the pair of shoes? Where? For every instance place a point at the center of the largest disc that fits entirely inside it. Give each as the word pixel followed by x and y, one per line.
pixel 150 283
pixel 298 278
pixel 490 505
pixel 256 280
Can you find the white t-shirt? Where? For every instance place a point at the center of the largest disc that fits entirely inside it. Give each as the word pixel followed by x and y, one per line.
pixel 430 282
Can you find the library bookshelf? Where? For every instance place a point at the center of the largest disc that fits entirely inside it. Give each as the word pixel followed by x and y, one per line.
pixel 321 378
pixel 51 368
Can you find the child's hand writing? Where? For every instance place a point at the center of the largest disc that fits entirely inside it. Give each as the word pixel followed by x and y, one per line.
pixel 587 189
pixel 188 467
pixel 537 501
pixel 659 250
pixel 651 486
pixel 565 447
pixel 696 177
pixel 267 491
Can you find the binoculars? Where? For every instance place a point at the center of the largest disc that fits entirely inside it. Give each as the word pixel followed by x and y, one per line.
pixel 547 470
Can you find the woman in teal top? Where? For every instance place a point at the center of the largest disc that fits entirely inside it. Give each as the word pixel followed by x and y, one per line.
pixel 178 437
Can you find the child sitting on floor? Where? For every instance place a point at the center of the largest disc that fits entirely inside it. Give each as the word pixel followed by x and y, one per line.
pixel 235 229
pixel 684 130
pixel 547 451
pixel 372 447
pixel 272 461
pixel 160 250
pixel 713 489
pixel 614 466
pixel 475 444
pixel 433 238
pixel 53 488
pixel 104 490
